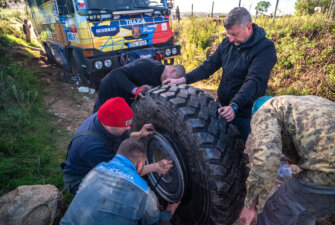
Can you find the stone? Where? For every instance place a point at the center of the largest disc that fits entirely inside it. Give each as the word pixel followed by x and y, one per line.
pixel 32 205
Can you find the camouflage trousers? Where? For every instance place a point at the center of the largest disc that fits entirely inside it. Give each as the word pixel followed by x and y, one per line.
pixel 297 202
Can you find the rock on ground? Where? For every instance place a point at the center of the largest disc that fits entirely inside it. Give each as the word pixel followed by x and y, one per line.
pixel 32 205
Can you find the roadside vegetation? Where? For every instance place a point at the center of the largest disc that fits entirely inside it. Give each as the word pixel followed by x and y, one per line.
pixel 30 150
pixel 305 50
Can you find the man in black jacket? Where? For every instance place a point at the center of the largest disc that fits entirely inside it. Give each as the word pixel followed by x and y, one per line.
pixel 247 58
pixel 126 81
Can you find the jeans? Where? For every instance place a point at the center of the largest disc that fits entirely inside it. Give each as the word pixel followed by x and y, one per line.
pixel 297 202
pixel 243 126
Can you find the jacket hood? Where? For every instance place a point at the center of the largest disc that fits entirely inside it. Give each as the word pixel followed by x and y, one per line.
pixel 257 34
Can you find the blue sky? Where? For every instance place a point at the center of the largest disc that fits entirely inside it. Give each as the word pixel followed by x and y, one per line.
pixel 224 6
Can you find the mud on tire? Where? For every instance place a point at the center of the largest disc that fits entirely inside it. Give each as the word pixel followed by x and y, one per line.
pixel 208 148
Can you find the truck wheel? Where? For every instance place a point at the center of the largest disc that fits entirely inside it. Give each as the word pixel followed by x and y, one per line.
pixel 209 170
pixel 48 53
pixel 78 71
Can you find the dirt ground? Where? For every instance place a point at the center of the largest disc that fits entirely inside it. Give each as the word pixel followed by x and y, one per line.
pixel 71 107
pixel 62 97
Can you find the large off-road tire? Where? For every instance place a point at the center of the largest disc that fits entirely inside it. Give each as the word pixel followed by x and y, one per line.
pixel 209 165
pixel 81 73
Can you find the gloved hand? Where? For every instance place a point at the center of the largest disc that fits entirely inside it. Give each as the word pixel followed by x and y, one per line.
pixel 139 92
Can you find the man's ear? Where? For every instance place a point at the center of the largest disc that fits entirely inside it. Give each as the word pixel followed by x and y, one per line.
pixel 173 71
pixel 139 165
pixel 249 26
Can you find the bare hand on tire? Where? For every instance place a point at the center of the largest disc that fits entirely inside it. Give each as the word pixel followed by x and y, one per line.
pixel 164 166
pixel 247 215
pixel 146 130
pixel 227 112
pixel 174 81
pixel 172 207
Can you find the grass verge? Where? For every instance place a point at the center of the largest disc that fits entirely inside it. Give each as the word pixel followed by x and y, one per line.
pixel 31 147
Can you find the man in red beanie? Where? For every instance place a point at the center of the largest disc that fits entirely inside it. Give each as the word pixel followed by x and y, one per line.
pixel 98 139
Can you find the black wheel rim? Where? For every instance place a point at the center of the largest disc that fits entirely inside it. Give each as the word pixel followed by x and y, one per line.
pixel 171 185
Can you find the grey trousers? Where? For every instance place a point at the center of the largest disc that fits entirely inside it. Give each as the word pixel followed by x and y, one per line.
pixel 297 202
pixel 72 182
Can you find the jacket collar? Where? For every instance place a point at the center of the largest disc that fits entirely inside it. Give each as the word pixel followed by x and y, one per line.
pixel 120 159
pixel 257 34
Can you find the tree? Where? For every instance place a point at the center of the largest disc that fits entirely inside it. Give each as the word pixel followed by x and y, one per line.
pixel 304 7
pixel 262 7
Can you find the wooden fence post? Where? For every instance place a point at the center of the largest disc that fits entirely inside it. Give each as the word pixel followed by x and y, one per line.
pixel 331 11
pixel 275 12
pixel 212 9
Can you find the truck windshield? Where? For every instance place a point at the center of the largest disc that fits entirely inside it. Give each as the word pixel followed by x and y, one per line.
pixel 119 5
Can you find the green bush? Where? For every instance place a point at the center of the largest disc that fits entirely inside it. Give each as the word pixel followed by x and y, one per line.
pixel 305 47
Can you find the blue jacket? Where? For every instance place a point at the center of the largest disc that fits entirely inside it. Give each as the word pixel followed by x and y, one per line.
pixel 114 193
pixel 246 70
pixel 85 152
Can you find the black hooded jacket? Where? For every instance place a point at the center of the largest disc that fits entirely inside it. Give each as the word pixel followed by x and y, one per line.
pixel 121 81
pixel 246 70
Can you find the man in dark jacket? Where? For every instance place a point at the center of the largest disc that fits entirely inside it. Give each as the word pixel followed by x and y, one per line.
pixel 247 58
pixel 127 81
pixel 98 139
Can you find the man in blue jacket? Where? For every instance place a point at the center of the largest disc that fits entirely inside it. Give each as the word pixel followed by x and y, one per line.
pixel 114 193
pixel 247 58
pixel 98 139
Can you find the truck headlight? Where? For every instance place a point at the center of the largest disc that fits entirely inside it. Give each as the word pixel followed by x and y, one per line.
pixel 108 63
pixel 174 51
pixel 167 52
pixel 98 65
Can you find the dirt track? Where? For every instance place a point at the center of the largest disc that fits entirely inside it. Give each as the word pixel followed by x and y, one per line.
pixel 62 97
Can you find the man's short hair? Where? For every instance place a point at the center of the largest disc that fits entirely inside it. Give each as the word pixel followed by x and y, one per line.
pixel 237 16
pixel 133 149
pixel 180 70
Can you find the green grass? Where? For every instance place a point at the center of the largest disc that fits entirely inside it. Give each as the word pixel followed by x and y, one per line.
pixel 31 145
pixel 11 22
pixel 28 139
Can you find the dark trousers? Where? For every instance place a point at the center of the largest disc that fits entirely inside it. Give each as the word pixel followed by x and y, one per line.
pixel 243 126
pixel 297 202
pixel 72 182
pixel 163 223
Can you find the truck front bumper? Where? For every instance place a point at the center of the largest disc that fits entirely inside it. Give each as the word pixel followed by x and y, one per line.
pixel 107 62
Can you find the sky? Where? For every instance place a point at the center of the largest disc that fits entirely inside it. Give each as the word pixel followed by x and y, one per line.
pixel 224 6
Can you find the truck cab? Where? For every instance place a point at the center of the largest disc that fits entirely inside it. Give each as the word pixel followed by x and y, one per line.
pixel 92 36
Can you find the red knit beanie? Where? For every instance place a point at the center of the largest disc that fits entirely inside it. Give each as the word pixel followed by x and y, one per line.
pixel 115 112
